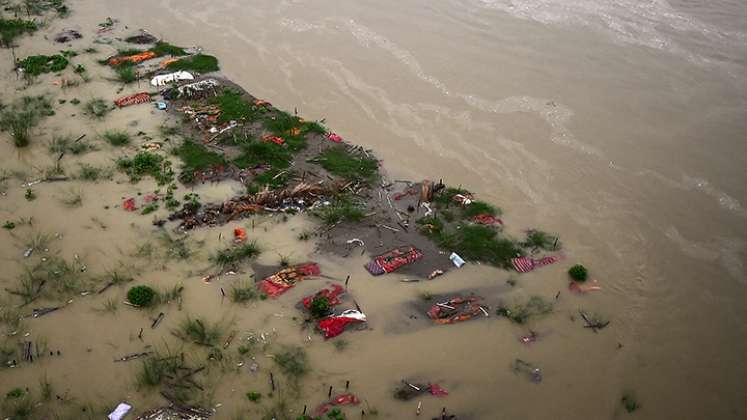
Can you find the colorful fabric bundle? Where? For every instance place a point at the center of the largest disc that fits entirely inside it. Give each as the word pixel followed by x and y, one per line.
pixel 334 325
pixel 332 294
pixel 394 259
pixel 525 264
pixel 334 138
pixel 138 98
pixel 487 219
pixel 134 59
pixel 456 309
pixel 275 139
pixel 278 283
pixel 342 399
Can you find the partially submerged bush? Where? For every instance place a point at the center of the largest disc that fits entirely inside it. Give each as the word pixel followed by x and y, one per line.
pixel 578 273
pixel 10 29
pixel 521 312
pixel 126 73
pixel 147 163
pixel 243 293
pixel 293 362
pixel 630 402
pixel 341 210
pixel 141 295
pixel 22 116
pixel 117 138
pixel 537 239
pixel 97 108
pixel 200 332
pixel 319 307
pixel 236 254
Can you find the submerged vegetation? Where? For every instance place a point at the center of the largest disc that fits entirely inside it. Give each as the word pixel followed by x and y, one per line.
pixel 10 29
pixel 37 64
pixel 141 295
pixel 22 116
pixel 521 312
pixel 236 254
pixel 199 331
pixel 147 163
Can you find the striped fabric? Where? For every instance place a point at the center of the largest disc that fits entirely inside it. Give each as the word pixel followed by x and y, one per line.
pixel 525 264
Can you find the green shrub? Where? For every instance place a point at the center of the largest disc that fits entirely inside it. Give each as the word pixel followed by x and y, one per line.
pixel 253 396
pixel 10 29
pixel 97 108
pixel 164 48
pixel 319 307
pixel 117 138
pixel 38 64
pixel 578 273
pixel 141 295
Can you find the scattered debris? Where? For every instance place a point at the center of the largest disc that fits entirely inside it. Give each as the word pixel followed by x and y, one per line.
pixel 456 260
pixel 67 35
pixel 407 391
pixel 456 309
pixel 120 412
pixel 532 372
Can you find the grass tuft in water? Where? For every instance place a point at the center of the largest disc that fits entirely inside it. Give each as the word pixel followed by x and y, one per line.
pixel 293 362
pixel 199 331
pixel 22 116
pixel 342 209
pixel 243 293
pixel 10 29
pixel 73 198
pixel 97 108
pixel 117 138
pixel 520 313
pixel 236 254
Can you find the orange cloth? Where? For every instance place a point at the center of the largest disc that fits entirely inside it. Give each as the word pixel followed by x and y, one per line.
pixel 137 58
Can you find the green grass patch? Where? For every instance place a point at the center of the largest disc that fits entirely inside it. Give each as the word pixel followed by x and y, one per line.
pixel 476 208
pixel 196 157
pixel 127 73
pixel 472 242
pixel 164 48
pixel 236 254
pixel 233 106
pixel 342 209
pixel 10 29
pixel 537 239
pixel 117 138
pixel 38 64
pixel 147 163
pixel 340 162
pixel 199 63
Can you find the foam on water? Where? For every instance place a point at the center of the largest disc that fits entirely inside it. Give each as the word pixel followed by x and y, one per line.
pixel 651 23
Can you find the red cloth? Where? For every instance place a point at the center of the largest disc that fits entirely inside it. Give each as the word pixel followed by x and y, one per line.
pixel 335 325
pixel 332 294
pixel 129 204
pixel 525 265
pixel 394 259
pixel 436 390
pixel 487 219
pixel 239 235
pixel 275 139
pixel 342 399
pixel 278 283
pixel 334 137
pixel 138 98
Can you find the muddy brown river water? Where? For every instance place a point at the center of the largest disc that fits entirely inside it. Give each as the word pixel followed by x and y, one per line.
pixel 618 125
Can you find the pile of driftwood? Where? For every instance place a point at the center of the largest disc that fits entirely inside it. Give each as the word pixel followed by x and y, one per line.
pixel 297 198
pixel 174 412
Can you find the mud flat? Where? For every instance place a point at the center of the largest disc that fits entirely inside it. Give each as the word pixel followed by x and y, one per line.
pixel 178 248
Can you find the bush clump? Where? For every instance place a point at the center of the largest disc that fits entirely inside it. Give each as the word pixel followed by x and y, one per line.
pixel 141 295
pixel 578 273
pixel 38 64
